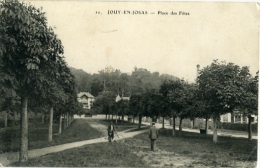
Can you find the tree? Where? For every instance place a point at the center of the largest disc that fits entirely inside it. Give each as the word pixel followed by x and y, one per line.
pixel 123 108
pixel 176 93
pixel 136 107
pixel 28 44
pixel 220 86
pixel 249 102
pixel 104 102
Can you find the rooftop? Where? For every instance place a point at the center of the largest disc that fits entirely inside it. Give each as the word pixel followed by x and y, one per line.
pixel 86 94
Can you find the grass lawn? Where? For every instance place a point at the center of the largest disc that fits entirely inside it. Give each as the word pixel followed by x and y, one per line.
pixel 95 155
pixel 186 149
pixel 120 126
pixel 228 152
pixel 38 135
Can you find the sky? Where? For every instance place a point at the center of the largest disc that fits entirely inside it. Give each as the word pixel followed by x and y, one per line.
pixel 172 44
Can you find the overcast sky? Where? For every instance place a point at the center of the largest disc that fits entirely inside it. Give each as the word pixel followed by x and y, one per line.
pixel 172 44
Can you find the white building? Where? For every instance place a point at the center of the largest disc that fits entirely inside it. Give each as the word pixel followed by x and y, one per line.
pixel 86 99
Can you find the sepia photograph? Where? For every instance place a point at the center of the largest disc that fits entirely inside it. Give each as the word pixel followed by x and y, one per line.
pixel 129 84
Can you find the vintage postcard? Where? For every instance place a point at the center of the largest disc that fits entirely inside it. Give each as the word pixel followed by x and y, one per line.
pixel 118 51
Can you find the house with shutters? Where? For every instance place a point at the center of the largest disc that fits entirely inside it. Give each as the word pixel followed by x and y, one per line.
pixel 86 99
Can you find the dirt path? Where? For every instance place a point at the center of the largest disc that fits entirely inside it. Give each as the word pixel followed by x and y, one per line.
pixel 160 158
pixel 96 125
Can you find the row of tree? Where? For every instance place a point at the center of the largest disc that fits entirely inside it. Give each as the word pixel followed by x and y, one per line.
pixel 33 72
pixel 220 88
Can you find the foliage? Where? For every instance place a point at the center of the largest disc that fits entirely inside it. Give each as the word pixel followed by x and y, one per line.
pixel 104 102
pixel 222 87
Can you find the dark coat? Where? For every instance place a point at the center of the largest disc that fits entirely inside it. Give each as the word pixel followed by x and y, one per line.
pixel 109 127
pixel 153 133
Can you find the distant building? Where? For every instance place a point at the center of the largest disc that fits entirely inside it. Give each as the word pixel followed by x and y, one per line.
pixel 237 118
pixel 86 99
pixel 118 98
pixel 109 69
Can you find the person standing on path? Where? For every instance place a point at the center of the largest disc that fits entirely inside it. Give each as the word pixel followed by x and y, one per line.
pixel 153 135
pixel 111 129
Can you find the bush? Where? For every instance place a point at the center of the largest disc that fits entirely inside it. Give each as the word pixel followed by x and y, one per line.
pixel 236 126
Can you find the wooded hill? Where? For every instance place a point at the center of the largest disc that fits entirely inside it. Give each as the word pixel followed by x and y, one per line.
pixel 139 80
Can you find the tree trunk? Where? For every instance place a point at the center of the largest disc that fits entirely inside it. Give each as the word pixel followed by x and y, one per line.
pixel 112 117
pixel 67 119
pixel 249 127
pixel 23 155
pixel 43 118
pixel 215 134
pixel 206 125
pixel 116 118
pixel 192 123
pixel 163 122
pixel 6 119
pixel 140 121
pixel 122 118
pixel 133 120
pixel 63 122
pixel 173 126
pixel 106 116
pixel 13 121
pixel 232 117
pixel 180 128
pixel 16 118
pixel 35 117
pixel 50 124
pixel 104 85
pixel 60 123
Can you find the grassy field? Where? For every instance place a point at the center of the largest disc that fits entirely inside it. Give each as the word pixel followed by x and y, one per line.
pixel 120 126
pixel 38 135
pixel 95 155
pixel 228 152
pixel 186 149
